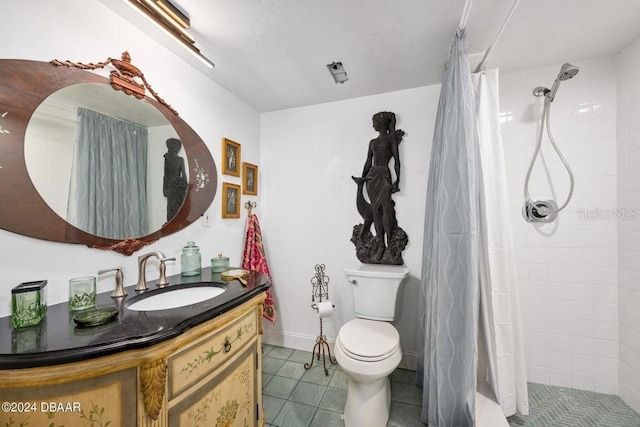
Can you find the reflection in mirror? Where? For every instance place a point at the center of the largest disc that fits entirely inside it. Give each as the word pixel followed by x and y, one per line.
pixel 107 163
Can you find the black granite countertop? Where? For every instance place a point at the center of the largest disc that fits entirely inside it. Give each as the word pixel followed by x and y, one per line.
pixel 58 339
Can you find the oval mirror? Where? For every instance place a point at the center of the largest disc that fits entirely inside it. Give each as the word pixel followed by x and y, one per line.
pixel 98 156
pixel 50 154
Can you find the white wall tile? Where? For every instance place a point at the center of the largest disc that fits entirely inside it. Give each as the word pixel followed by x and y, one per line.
pixel 583 381
pixel 606 367
pixel 582 364
pixel 606 385
pixel 577 256
pixel 560 378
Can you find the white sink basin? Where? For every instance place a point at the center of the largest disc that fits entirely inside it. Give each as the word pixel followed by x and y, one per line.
pixel 174 298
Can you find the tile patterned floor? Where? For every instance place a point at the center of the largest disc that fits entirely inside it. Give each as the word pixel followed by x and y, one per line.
pixel 295 397
pixel 560 407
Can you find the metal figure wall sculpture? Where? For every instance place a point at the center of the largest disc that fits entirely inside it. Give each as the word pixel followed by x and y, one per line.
pixel 390 240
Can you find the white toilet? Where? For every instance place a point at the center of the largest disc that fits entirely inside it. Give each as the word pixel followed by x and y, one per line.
pixel 368 347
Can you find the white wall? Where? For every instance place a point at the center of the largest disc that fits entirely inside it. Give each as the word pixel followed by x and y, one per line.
pixel 567 269
pixel 629 230
pixel 309 204
pixel 88 31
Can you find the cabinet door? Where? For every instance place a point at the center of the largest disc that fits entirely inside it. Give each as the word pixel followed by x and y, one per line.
pixel 106 400
pixel 228 399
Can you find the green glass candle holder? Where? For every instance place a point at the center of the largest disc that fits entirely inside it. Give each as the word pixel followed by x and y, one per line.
pixel 28 303
pixel 82 293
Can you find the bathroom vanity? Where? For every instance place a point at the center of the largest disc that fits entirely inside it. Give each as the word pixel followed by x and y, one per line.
pixel 195 365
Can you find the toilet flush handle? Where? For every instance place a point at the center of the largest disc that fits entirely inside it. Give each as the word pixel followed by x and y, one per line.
pixel 353 281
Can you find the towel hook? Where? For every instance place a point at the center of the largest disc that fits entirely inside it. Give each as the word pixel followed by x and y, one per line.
pixel 250 206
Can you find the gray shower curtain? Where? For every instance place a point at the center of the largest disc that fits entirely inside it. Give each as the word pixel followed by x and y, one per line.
pixel 449 287
pixel 109 186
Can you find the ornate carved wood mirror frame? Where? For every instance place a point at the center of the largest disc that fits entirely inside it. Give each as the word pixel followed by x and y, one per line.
pixel 24 85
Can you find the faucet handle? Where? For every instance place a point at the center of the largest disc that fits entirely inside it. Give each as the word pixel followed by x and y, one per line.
pixel 162 282
pixel 119 289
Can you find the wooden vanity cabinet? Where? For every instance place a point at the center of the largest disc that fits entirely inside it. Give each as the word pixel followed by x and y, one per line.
pixel 211 375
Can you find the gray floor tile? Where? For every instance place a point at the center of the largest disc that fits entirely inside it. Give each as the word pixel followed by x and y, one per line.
pixel 271 365
pixel 272 406
pixel 293 370
pixel 339 380
pixel 266 348
pixel 265 379
pixel 301 356
pixel 280 387
pixel 334 400
pixel 308 393
pixel 324 418
pixel 404 376
pixel 406 393
pixel 403 415
pixel 292 395
pixel 280 352
pixel 316 375
pixel 295 414
pixel 559 406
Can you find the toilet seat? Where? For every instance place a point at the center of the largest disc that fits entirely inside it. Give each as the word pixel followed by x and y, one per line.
pixel 368 340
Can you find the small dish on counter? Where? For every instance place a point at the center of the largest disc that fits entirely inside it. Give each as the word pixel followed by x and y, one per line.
pixel 95 317
pixel 238 273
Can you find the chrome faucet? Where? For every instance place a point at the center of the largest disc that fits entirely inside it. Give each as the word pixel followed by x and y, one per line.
pixel 142 265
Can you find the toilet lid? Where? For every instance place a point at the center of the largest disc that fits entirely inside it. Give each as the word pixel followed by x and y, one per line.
pixel 369 340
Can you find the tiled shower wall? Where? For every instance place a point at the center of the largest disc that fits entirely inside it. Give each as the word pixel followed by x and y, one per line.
pixel 629 229
pixel 567 269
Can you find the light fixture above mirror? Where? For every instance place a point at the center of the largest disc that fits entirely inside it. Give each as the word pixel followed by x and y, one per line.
pixel 170 20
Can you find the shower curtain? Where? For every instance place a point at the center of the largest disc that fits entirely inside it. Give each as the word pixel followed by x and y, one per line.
pixel 108 192
pixel 502 349
pixel 449 288
pixel 468 257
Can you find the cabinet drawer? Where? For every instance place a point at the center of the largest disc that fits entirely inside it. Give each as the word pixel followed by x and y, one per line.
pixel 230 398
pixel 212 350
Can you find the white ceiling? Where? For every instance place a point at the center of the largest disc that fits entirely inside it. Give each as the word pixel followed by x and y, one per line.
pixel 273 53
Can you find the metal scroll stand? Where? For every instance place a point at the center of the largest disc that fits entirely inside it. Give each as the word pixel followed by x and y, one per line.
pixel 320 291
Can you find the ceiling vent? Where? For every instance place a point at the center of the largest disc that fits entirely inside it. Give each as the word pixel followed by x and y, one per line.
pixel 337 72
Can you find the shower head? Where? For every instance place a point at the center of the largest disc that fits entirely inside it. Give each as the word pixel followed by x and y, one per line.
pixel 567 71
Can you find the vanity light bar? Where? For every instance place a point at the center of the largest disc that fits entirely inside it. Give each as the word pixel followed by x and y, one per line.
pixel 175 14
pixel 168 20
pixel 170 30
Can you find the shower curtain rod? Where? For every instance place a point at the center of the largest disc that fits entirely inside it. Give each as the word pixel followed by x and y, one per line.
pixel 482 63
pixel 465 14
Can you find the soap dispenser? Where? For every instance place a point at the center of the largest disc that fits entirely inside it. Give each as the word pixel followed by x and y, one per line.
pixel 190 260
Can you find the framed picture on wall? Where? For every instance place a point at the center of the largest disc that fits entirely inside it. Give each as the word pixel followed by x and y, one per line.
pixel 230 157
pixel 249 179
pixel 230 200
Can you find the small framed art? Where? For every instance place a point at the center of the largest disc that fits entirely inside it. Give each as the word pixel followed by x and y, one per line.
pixel 249 179
pixel 230 157
pixel 230 200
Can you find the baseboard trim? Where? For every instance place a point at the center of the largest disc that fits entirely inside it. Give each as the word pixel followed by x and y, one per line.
pixel 306 342
pixel 292 340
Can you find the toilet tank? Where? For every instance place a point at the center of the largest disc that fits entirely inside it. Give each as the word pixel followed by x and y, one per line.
pixel 376 290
